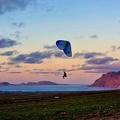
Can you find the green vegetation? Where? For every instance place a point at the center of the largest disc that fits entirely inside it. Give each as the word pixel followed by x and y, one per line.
pixel 64 106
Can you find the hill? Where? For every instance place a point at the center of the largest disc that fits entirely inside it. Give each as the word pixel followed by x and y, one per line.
pixel 30 83
pixel 110 79
pixel 41 83
pixel 5 84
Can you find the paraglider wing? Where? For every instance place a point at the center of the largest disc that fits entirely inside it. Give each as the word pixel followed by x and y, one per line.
pixel 61 44
pixel 65 46
pixel 67 49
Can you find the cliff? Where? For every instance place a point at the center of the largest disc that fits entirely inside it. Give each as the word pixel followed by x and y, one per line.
pixel 110 79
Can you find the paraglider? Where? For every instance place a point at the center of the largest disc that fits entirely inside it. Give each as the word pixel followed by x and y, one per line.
pixel 65 46
pixel 65 75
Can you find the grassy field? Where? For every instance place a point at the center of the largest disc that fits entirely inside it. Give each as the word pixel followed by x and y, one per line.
pixel 60 106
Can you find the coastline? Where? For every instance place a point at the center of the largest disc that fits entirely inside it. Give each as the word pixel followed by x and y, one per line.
pixel 52 88
pixel 58 92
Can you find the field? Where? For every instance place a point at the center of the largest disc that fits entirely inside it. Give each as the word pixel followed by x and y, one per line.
pixel 60 105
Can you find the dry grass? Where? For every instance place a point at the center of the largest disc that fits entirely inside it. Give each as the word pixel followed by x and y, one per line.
pixel 60 106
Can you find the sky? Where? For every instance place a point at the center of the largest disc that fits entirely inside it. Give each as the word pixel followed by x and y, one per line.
pixel 29 30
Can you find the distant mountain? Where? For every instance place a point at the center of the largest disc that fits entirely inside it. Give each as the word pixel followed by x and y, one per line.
pixel 46 83
pixel 110 79
pixel 30 83
pixel 21 84
pixel 40 83
pixel 5 84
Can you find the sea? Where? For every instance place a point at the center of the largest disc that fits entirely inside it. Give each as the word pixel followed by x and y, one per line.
pixel 52 88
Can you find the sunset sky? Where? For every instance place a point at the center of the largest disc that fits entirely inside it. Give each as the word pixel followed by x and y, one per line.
pixel 29 30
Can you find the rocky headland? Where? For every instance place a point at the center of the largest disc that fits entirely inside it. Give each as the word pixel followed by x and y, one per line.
pixel 110 79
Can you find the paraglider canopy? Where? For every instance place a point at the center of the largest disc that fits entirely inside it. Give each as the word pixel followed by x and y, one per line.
pixel 65 46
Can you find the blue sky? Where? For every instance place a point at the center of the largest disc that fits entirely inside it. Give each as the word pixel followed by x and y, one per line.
pixel 27 26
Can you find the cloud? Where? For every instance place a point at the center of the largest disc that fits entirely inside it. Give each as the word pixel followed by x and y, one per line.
pixel 1 67
pixel 14 72
pixel 93 36
pixel 56 52
pixel 6 42
pixel 10 63
pixel 15 24
pixel 93 67
pixel 46 5
pixel 50 8
pixel 101 68
pixel 18 66
pixel 101 60
pixel 60 54
pixel 70 70
pixel 88 55
pixel 50 47
pixel 7 6
pixel 4 63
pixel 8 53
pixel 12 5
pixel 45 72
pixel 16 34
pixel 76 65
pixel 34 57
pixel 40 72
pixel 115 48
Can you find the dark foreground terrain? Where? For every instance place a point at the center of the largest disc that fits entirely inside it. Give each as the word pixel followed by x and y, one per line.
pixel 60 106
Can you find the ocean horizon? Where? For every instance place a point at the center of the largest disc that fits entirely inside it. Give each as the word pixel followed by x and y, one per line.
pixel 52 88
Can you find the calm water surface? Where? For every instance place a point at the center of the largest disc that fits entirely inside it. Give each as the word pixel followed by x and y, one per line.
pixel 51 88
